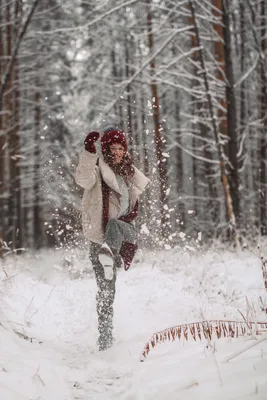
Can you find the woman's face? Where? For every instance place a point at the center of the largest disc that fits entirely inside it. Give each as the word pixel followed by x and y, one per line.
pixel 117 152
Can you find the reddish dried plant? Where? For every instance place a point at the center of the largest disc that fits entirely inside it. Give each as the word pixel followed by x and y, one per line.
pixel 204 330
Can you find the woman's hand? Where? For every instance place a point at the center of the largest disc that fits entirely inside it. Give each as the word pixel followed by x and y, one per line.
pixel 89 142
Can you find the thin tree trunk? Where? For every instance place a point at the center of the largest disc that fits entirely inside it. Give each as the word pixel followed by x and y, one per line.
pixel 2 139
pixel 224 178
pixel 128 97
pixel 10 229
pixel 147 195
pixel 242 95
pixel 211 209
pixel 118 74
pixel 13 143
pixel 164 230
pixel 231 114
pixel 196 107
pixel 242 64
pixel 19 208
pixel 117 108
pixel 261 48
pixel 263 116
pixel 16 48
pixel 36 207
pixel 220 60
pixel 135 130
pixel 221 111
pixel 179 167
pixel 246 111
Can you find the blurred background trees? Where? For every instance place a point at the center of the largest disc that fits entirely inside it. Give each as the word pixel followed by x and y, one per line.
pixel 186 80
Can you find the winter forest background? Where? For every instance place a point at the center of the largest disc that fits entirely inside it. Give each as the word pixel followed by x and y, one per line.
pixel 187 82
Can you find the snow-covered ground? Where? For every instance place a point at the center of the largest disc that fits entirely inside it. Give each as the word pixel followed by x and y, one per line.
pixel 55 307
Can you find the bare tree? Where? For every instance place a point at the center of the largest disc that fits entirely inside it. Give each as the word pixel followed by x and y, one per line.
pixel 224 178
pixel 233 172
pixel 158 138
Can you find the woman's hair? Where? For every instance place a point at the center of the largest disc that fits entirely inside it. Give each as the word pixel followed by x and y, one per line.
pixel 125 168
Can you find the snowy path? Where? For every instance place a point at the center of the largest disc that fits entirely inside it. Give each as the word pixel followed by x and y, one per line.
pixel 171 288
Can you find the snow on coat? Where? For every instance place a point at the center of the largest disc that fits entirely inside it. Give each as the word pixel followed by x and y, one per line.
pixel 88 176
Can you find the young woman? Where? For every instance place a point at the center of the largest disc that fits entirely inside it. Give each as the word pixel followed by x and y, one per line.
pixel 112 186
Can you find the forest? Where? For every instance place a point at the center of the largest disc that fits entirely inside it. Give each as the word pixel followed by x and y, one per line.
pixel 184 79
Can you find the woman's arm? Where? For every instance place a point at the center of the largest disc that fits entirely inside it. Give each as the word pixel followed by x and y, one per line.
pixel 86 171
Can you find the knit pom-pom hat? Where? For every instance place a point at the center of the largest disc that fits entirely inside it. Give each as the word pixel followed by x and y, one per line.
pixel 110 136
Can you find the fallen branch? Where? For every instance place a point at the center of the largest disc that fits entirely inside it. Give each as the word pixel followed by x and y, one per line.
pixel 204 330
pixel 236 354
pixel 46 301
pixel 36 375
pixel 3 269
pixel 26 337
pixel 23 336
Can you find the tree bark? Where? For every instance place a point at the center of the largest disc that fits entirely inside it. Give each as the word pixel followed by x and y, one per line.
pixel 14 143
pixel 117 107
pixel 261 49
pixel 179 168
pixel 211 206
pixel 128 97
pixel 224 178
pixel 37 221
pixel 18 188
pixel 161 165
pixel 16 49
pixel 231 115
pixel 263 117
pixel 220 60
pixel 2 139
pixel 10 227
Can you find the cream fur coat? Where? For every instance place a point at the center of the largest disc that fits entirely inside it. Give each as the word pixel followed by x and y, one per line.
pixel 88 176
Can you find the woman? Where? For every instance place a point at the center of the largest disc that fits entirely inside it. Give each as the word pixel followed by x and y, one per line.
pixel 112 186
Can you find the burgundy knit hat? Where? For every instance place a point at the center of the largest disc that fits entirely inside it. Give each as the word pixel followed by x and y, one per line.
pixel 111 136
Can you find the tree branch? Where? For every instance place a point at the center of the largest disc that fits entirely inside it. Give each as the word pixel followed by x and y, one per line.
pixel 16 49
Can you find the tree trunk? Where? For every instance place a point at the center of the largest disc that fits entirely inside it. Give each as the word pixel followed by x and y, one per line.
pixel 224 178
pixel 263 117
pixel 117 108
pixel 18 194
pixel 179 168
pixel 14 144
pixel 128 98
pixel 37 220
pixel 2 138
pixel 231 115
pixel 260 47
pixel 12 58
pixel 135 125
pixel 203 170
pixel 161 165
pixel 10 229
pixel 220 61
pixel 145 200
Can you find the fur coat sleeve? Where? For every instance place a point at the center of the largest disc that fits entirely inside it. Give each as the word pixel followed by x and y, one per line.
pixel 86 170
